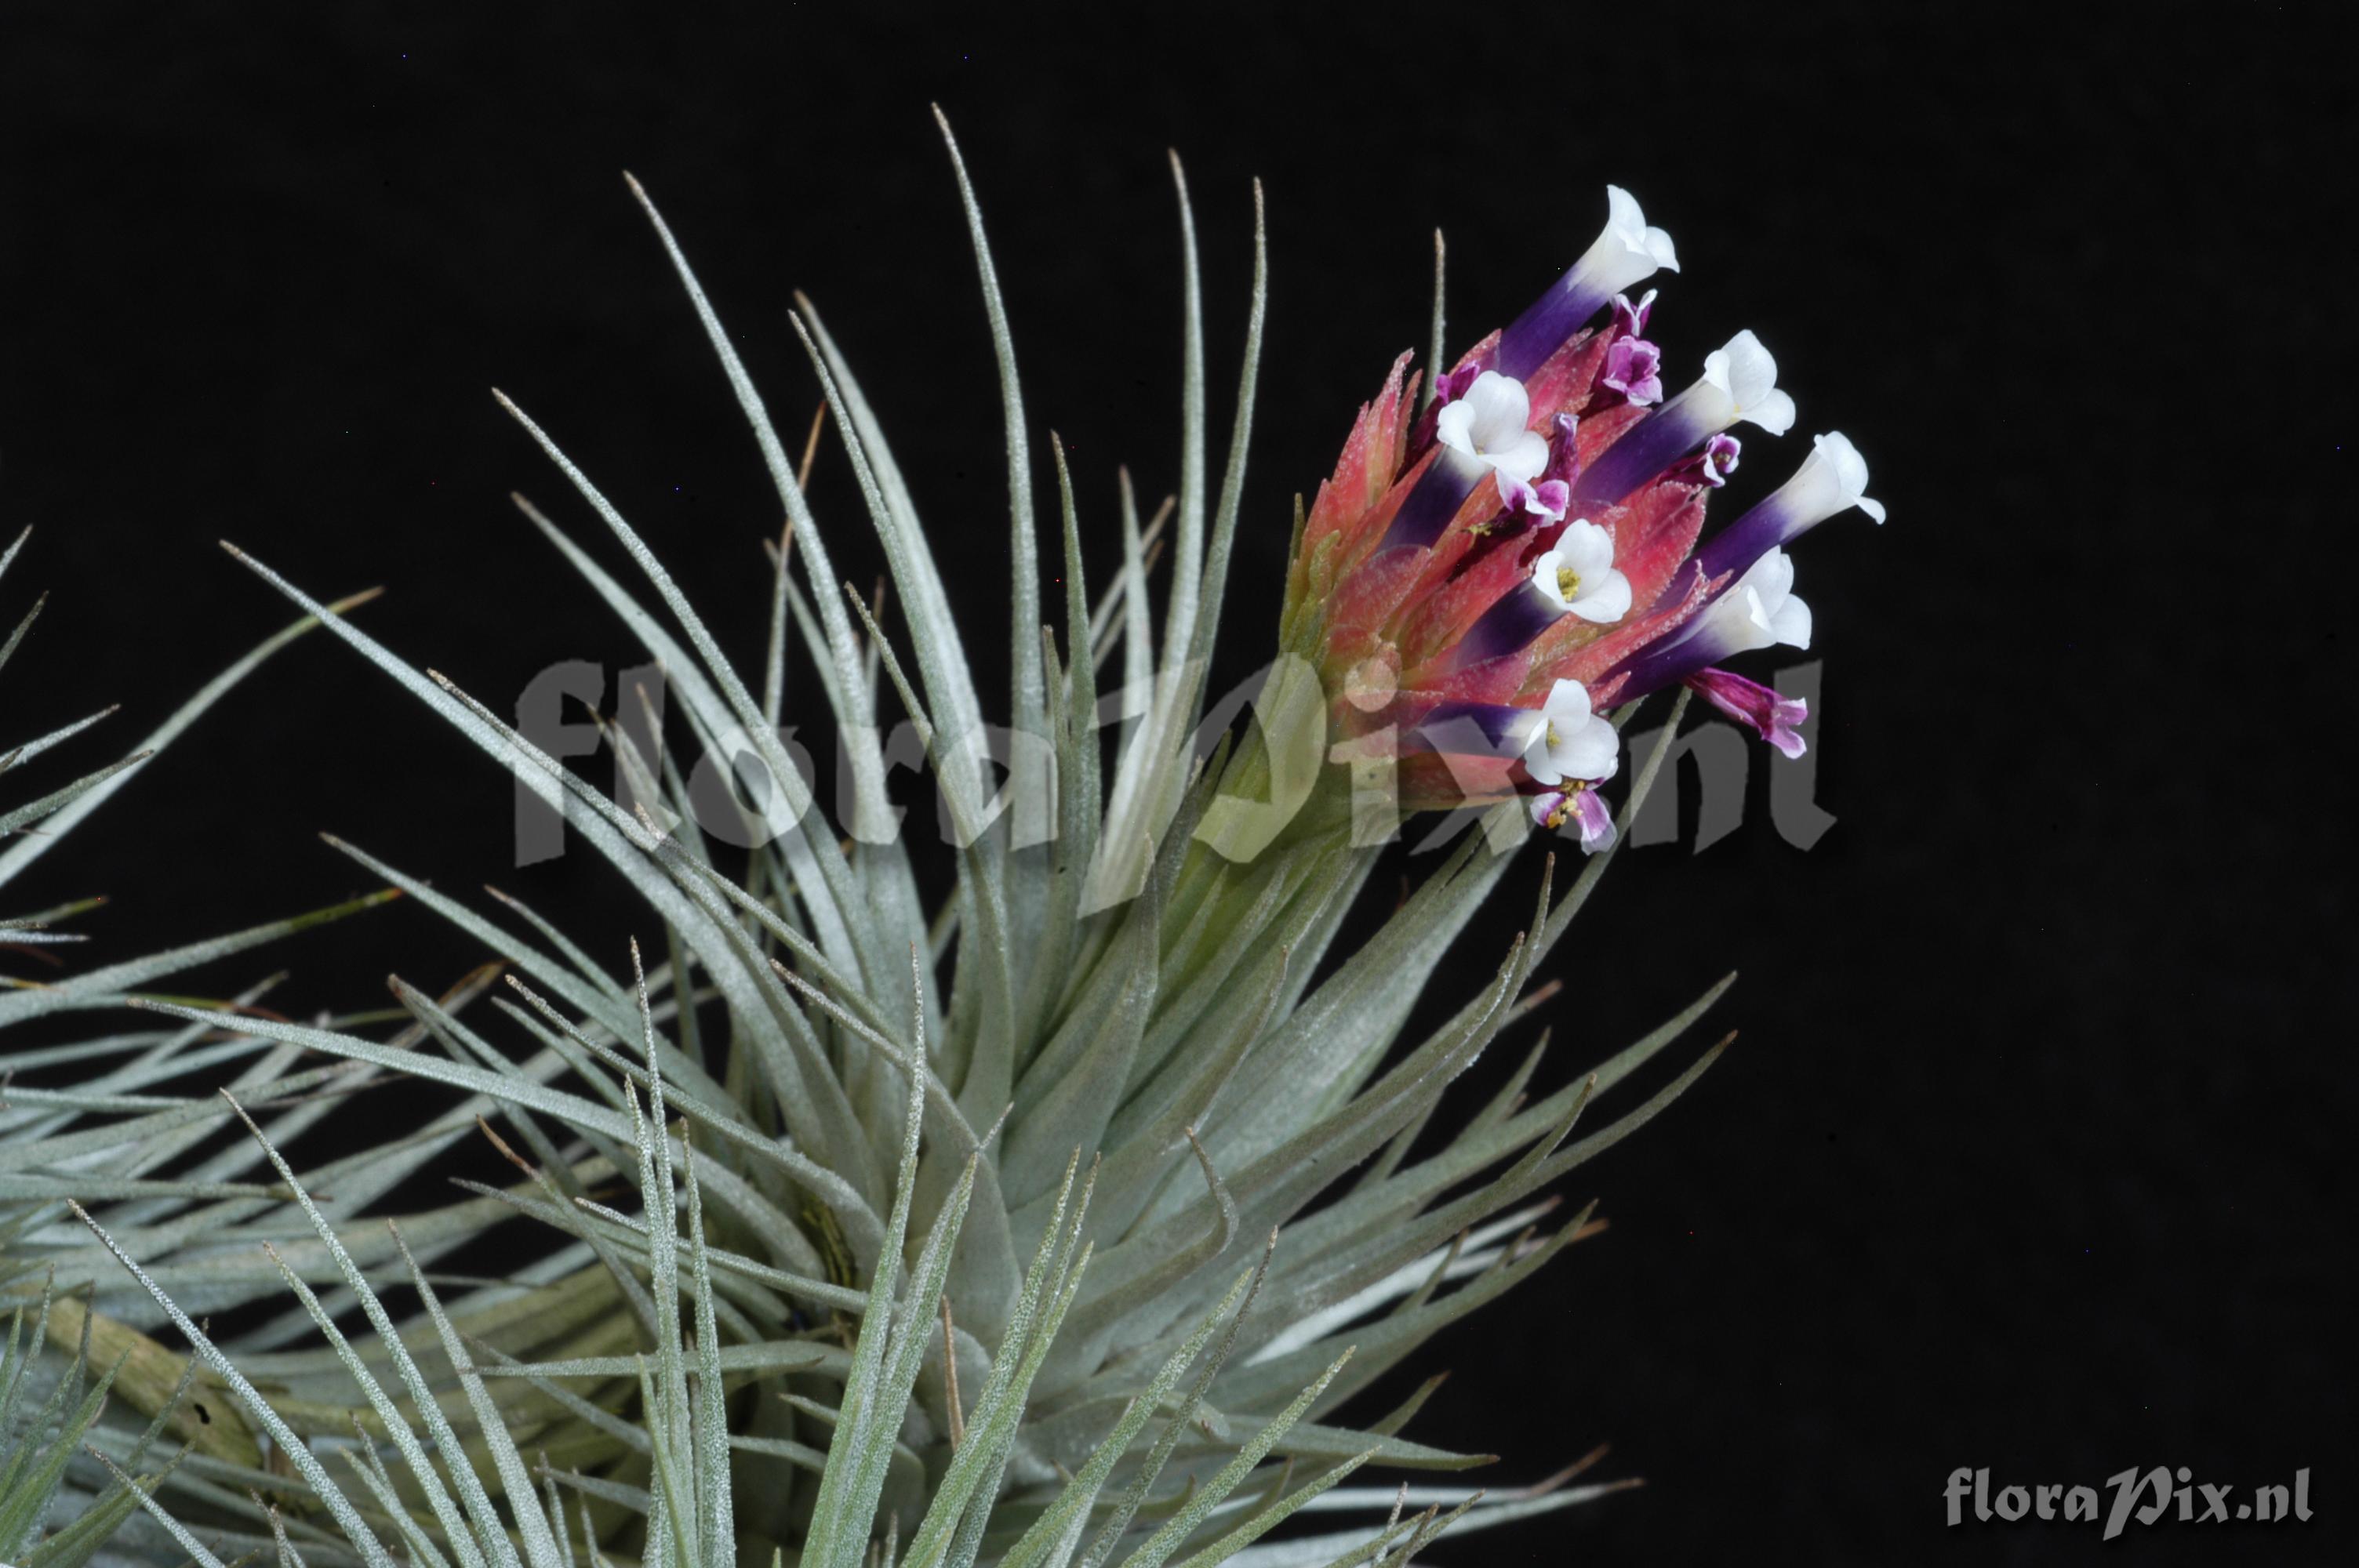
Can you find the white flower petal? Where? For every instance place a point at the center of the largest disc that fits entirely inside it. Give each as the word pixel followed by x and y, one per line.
pixel 1453 426
pixel 1832 478
pixel 1737 623
pixel 1543 578
pixel 1851 472
pixel 1500 408
pixel 1752 612
pixel 1488 425
pixel 1521 457
pixel 1622 215
pixel 1626 251
pixel 1774 412
pixel 1609 601
pixel 1568 703
pixel 1851 469
pixel 1751 371
pixel 1590 752
pixel 1571 742
pixel 1739 382
pixel 1585 547
pixel 1757 611
pixel 1539 760
pixel 1773 574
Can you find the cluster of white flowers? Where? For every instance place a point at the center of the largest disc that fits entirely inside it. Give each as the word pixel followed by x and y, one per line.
pixel 1485 425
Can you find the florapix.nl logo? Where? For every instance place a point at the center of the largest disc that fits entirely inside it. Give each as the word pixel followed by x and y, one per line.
pixel 2151 1496
pixel 751 787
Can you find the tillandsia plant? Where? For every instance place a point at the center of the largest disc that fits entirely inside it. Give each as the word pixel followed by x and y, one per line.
pixel 1061 1223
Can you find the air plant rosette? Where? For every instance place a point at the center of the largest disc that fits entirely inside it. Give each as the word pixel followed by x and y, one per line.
pixel 1058 1222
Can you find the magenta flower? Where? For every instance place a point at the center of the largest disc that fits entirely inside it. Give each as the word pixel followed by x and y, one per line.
pixel 1583 808
pixel 1768 714
pixel 1715 462
pixel 1631 367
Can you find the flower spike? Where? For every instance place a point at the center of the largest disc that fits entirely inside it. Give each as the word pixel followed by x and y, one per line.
pixel 1479 582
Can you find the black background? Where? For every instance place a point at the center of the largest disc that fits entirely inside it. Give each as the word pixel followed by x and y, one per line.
pixel 2029 1155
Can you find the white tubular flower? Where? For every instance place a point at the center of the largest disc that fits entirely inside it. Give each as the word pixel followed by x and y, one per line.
pixel 1488 424
pixel 1759 609
pixel 1578 576
pixel 1740 381
pixel 1628 251
pixel 1834 476
pixel 1571 742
